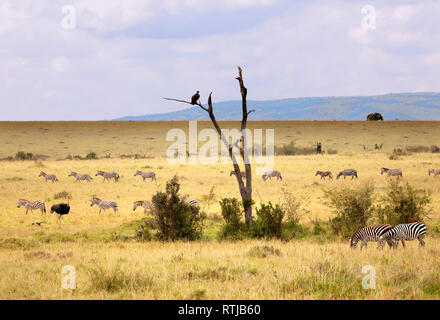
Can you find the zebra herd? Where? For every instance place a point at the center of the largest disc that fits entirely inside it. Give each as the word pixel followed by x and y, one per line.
pixel 391 235
pixel 106 175
pixel 101 204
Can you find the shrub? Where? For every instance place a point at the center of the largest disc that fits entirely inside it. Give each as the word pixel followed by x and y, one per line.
pixel 21 155
pixel 231 212
pixel 435 149
pixel 269 221
pixel 352 207
pixel 376 116
pixel 91 156
pixel 403 204
pixel 175 218
pixel 378 146
pixel 418 149
pixel 62 195
pixel 293 207
pixel 291 149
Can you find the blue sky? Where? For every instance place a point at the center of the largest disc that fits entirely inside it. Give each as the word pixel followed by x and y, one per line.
pixel 124 56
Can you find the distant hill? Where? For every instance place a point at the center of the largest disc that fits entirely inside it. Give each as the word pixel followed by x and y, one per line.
pixel 402 106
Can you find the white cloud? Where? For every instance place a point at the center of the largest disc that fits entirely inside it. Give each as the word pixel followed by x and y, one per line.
pixel 60 64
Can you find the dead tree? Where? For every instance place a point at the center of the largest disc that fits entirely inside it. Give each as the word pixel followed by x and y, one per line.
pixel 245 188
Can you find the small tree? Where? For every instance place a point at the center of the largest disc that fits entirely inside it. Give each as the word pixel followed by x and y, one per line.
pixel 352 207
pixel 376 116
pixel 404 204
pixel 232 212
pixel 175 218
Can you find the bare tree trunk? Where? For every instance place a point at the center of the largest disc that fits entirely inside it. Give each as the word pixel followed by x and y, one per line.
pixel 245 190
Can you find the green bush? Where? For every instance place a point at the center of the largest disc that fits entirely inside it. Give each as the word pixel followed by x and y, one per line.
pixel 403 204
pixel 91 156
pixel 353 207
pixel 231 212
pixel 269 221
pixel 174 218
pixel 21 155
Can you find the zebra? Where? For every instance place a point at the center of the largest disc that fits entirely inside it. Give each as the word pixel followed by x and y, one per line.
pixel 348 172
pixel 80 177
pixel 435 172
pixel 104 205
pixel 46 176
pixel 146 175
pixel 372 233
pixel 391 172
pixel 402 232
pixel 142 203
pixel 108 175
pixel 270 174
pixel 324 174
pixel 242 173
pixel 32 205
pixel 192 202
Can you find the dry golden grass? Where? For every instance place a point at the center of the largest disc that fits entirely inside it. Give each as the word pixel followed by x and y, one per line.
pixel 108 267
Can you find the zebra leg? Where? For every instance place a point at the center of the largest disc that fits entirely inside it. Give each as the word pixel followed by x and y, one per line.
pixel 403 243
pixel 27 211
pixel 420 238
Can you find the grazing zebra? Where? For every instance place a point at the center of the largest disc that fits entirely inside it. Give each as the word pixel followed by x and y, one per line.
pixel 435 172
pixel 142 203
pixel 370 234
pixel 402 232
pixel 108 175
pixel 391 172
pixel 104 205
pixel 242 173
pixel 32 205
pixel 146 175
pixel 80 177
pixel 324 174
pixel 46 176
pixel 270 174
pixel 348 172
pixel 193 202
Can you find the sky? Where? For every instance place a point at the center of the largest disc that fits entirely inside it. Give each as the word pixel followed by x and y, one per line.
pixel 103 59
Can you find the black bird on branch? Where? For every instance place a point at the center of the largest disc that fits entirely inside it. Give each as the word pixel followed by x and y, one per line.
pixel 195 98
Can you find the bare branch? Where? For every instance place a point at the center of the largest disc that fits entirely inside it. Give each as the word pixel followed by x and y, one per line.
pixel 188 102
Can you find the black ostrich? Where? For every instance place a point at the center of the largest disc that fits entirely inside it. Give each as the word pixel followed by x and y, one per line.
pixel 60 209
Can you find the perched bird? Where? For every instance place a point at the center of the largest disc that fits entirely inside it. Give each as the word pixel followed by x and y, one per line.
pixel 195 98
pixel 61 209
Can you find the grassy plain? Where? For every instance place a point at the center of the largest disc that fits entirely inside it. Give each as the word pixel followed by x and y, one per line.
pixel 111 265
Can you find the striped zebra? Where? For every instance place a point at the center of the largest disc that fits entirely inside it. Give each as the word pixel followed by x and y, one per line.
pixel 402 232
pixel 348 172
pixel 104 205
pixel 435 172
pixel 391 172
pixel 46 176
pixel 271 174
pixel 372 233
pixel 80 177
pixel 144 204
pixel 146 175
pixel 324 174
pixel 32 205
pixel 108 175
pixel 242 173
pixel 192 202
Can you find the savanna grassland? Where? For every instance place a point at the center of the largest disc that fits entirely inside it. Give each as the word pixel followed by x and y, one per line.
pixel 111 264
